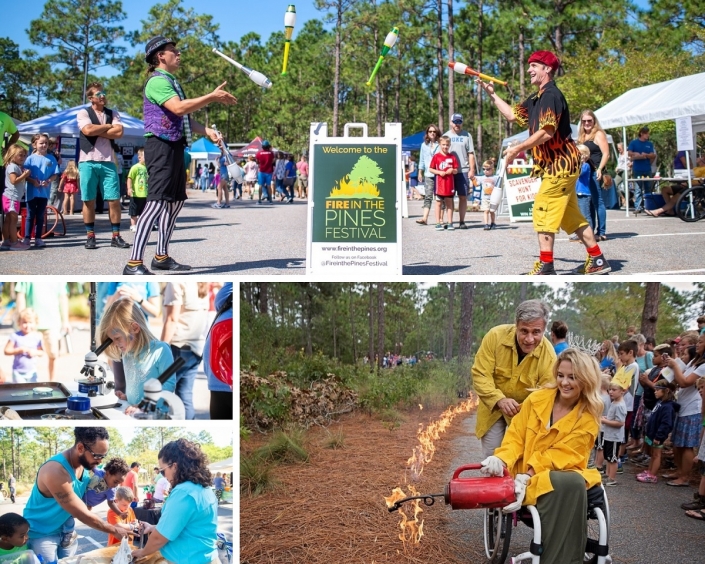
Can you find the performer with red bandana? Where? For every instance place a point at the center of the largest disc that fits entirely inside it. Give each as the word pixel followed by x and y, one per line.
pixel 556 162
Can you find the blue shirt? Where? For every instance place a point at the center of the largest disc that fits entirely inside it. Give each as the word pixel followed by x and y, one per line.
pixel 641 166
pixel 190 521
pixel 41 168
pixel 44 514
pixel 104 290
pixel 214 384
pixel 98 491
pixel 223 162
pixel 560 347
pixel 144 365
pixel 582 186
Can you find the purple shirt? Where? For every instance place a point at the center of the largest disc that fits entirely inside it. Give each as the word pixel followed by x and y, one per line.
pixel 23 363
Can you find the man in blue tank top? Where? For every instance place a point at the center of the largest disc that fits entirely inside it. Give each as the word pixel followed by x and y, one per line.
pixel 61 482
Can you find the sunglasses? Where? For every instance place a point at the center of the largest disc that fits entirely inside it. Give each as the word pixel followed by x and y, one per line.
pixel 99 94
pixel 587 121
pixel 458 122
pixel 432 131
pixel 161 470
pixel 94 455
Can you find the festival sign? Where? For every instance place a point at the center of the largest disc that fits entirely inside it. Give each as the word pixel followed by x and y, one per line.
pixel 354 182
pixel 521 190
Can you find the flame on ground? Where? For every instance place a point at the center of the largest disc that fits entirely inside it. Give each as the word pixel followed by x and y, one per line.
pixel 411 527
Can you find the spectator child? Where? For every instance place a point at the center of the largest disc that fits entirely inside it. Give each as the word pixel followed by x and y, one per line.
pixel 599 443
pixel 290 177
pixel 444 165
pixel 69 186
pixel 102 487
pixel 43 170
pixel 15 189
pixel 122 516
pixel 627 376
pixel 608 357
pixel 137 189
pixel 14 533
pixel 695 508
pixel 25 345
pixel 582 188
pixel 660 425
pixel 489 183
pixel 613 431
pixel 143 356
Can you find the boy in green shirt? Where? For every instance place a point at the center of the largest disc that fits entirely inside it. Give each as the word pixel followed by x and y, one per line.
pixel 137 189
pixel 14 533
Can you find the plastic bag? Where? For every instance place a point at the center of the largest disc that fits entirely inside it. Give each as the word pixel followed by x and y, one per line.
pixel 124 553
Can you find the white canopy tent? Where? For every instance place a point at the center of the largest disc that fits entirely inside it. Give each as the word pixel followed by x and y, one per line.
pixel 222 466
pixel 680 97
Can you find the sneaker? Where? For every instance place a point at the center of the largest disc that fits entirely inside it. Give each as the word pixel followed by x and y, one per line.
pixel 133 228
pixel 487 227
pixel 225 206
pixel 574 239
pixel 493 226
pixel 18 246
pixel 216 206
pixel 462 225
pixel 119 242
pixel 39 243
pixel 26 241
pixel 602 470
pixel 647 478
pixel 542 268
pixel 620 468
pixel 90 243
pixel 67 539
pixel 594 265
pixel 449 227
pixel 439 227
pixel 609 482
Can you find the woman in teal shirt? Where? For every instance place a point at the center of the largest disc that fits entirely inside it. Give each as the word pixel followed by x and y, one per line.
pixel 186 533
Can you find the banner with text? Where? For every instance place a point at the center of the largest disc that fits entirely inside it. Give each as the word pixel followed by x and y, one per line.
pixel 354 219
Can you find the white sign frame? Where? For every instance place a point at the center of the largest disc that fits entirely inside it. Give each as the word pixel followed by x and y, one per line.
pixel 684 133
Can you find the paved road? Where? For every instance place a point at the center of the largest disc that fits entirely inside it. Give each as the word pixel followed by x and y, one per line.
pixel 68 366
pixel 249 239
pixel 89 539
pixel 648 525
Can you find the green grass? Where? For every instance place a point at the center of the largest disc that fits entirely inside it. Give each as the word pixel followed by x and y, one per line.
pixel 256 476
pixel 334 440
pixel 284 447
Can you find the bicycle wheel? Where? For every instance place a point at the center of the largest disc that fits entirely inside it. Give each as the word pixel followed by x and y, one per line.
pixel 497 535
pixel 691 211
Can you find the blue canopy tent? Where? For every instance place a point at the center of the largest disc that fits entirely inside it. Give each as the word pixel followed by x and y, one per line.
pixel 204 149
pixel 413 142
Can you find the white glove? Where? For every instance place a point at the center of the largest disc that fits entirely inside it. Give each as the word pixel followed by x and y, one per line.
pixel 492 466
pixel 520 483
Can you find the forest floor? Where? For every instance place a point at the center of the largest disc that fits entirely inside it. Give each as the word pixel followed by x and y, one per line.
pixel 331 509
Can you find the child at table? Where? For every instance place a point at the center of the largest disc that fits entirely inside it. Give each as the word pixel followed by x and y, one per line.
pixel 14 533
pixel 124 517
pixel 25 345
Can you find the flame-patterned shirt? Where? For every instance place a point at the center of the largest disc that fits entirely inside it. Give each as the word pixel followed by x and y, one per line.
pixel 558 156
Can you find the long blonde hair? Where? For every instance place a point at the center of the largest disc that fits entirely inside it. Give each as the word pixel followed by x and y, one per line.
pixel 12 151
pixel 582 136
pixel 610 352
pixel 586 372
pixel 71 170
pixel 119 316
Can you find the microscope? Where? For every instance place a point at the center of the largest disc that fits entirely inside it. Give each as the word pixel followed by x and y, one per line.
pixel 158 403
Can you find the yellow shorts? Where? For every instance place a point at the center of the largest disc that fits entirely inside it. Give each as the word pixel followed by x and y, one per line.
pixel 556 206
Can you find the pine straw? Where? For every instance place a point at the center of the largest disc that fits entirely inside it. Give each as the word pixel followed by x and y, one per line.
pixel 331 509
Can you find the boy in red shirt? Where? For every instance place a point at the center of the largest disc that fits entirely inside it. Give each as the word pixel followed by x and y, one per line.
pixel 444 165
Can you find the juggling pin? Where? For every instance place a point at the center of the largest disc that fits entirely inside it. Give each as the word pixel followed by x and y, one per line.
pixel 462 68
pixel 255 76
pixel 389 42
pixel 289 23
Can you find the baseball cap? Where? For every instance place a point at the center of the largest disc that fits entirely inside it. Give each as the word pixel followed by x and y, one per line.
pixel 154 44
pixel 457 118
pixel 265 143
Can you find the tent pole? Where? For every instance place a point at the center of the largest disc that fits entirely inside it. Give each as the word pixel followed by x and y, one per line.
pixel 690 184
pixel 626 170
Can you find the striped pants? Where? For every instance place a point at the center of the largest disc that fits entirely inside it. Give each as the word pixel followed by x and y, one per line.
pixel 163 212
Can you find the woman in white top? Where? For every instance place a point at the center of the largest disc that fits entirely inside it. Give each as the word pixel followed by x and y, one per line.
pixel 686 434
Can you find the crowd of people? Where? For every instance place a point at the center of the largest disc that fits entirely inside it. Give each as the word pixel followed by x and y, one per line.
pixel 70 484
pixel 189 311
pixel 637 398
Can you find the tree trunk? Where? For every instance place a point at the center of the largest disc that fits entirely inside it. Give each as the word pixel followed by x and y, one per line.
pixel 478 116
pixel 467 296
pixel 12 442
pixel 522 291
pixel 451 320
pixel 380 323
pixel 558 41
pixel 451 57
pixel 371 319
pixel 439 61
pixel 352 325
pixel 649 316
pixel 307 314
pixel 263 298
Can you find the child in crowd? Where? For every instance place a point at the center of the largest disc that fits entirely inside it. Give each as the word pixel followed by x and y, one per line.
pixel 143 356
pixel 102 487
pixel 122 516
pixel 444 165
pixel 582 189
pixel 613 431
pixel 15 189
pixel 251 170
pixel 223 193
pixel 660 425
pixel 290 177
pixel 608 357
pixel 695 509
pixel 25 345
pixel 69 186
pixel 627 376
pixel 600 441
pixel 14 533
pixel 489 200
pixel 137 189
pixel 43 169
